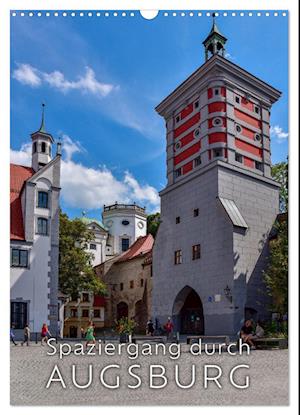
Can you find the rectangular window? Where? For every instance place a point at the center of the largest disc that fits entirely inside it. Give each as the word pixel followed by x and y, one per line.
pixel 18 314
pixel 42 226
pixel 85 297
pixel 237 100
pixel 259 165
pixel 85 313
pixel 73 312
pixel 97 314
pixel 43 200
pixel 196 212
pixel 93 246
pixel 196 252
pixel 196 105
pixel 19 258
pixel 177 118
pixel 178 172
pixel 218 152
pixel 256 109
pixel 197 161
pixel 121 286
pixel 238 158
pixel 142 282
pixel 217 91
pixel 177 220
pixel 125 244
pixel 131 284
pixel 178 257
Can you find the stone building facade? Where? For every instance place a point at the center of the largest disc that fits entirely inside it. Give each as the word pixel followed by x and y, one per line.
pixel 34 238
pixel 220 201
pixel 129 281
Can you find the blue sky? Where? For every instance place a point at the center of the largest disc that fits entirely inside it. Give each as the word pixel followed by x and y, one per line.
pixel 101 78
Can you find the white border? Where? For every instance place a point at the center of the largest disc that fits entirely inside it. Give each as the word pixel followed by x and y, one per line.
pixel 292 7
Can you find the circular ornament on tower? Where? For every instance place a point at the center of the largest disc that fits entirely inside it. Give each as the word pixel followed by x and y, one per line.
pixel 140 225
pixel 125 222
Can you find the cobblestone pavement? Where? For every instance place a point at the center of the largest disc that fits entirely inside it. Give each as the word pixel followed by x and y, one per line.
pixel 31 368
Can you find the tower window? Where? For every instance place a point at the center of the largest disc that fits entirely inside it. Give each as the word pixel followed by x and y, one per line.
pixel 256 109
pixel 93 246
pixel 238 158
pixel 259 165
pixel 131 284
pixel 218 152
pixel 238 128
pixel 19 258
pixel 257 137
pixel 43 200
pixel 196 252
pixel 217 91
pixel 178 172
pixel 178 257
pixel 125 244
pixel 217 121
pixel 34 147
pixel 197 132
pixel 196 212
pixel 121 286
pixel 142 282
pixel 177 119
pixel 42 226
pixel 177 145
pixel 238 100
pixel 43 147
pixel 197 161
pixel 196 105
pixel 177 220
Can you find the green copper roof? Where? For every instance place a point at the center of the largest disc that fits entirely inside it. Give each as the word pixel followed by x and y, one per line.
pixel 214 32
pixel 87 221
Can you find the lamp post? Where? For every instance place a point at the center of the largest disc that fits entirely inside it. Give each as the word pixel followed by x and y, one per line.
pixel 227 292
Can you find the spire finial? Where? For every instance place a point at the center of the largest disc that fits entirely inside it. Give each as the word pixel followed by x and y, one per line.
pixel 214 44
pixel 42 127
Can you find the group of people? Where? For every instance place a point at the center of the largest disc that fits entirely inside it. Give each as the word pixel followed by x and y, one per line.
pixel 249 334
pixel 168 328
pixel 45 335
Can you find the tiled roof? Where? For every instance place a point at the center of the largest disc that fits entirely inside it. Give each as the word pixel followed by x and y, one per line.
pixel 140 247
pixel 18 176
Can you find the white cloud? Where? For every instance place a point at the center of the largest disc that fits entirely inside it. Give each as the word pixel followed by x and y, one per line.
pixel 90 188
pixel 277 131
pixel 22 156
pixel 27 75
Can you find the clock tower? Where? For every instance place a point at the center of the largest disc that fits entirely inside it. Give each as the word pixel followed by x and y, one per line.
pixel 220 201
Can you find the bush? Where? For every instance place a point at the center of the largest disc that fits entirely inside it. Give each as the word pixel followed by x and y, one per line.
pixel 125 325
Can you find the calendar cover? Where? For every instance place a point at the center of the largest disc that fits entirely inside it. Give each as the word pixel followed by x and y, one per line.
pixel 149 207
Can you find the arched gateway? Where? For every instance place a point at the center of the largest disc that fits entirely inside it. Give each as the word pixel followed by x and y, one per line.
pixel 188 312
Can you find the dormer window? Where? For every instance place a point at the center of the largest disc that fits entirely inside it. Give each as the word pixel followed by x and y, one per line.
pixel 43 147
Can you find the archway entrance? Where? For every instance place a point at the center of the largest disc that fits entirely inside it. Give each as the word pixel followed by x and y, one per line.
pixel 188 312
pixel 122 310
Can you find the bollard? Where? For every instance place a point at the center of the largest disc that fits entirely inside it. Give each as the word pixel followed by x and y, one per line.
pixel 177 337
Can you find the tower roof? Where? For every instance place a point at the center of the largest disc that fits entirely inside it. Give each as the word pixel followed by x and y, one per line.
pixel 42 129
pixel 214 32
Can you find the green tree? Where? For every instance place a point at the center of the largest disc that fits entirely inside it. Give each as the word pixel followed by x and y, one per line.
pixel 280 174
pixel 76 273
pixel 276 275
pixel 153 222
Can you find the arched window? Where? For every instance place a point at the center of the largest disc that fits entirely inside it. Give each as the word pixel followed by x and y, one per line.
pixel 43 147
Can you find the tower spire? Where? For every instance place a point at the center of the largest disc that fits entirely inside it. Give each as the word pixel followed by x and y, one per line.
pixel 214 44
pixel 42 127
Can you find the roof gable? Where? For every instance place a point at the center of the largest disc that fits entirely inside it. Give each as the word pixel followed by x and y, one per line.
pixel 140 247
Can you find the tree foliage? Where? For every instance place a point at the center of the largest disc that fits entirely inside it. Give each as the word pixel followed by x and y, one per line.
pixel 276 275
pixel 76 273
pixel 153 222
pixel 280 174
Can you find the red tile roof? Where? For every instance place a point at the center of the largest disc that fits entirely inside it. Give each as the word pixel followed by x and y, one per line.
pixel 18 176
pixel 140 247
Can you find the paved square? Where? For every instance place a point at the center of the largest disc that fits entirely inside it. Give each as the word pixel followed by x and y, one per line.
pixel 31 369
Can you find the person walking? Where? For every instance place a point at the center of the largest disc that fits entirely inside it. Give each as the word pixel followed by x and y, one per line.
pixel 150 327
pixel 26 335
pixel 45 334
pixel 169 326
pixel 12 336
pixel 90 338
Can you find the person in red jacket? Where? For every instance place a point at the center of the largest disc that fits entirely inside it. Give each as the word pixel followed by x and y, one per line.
pixel 169 326
pixel 45 333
